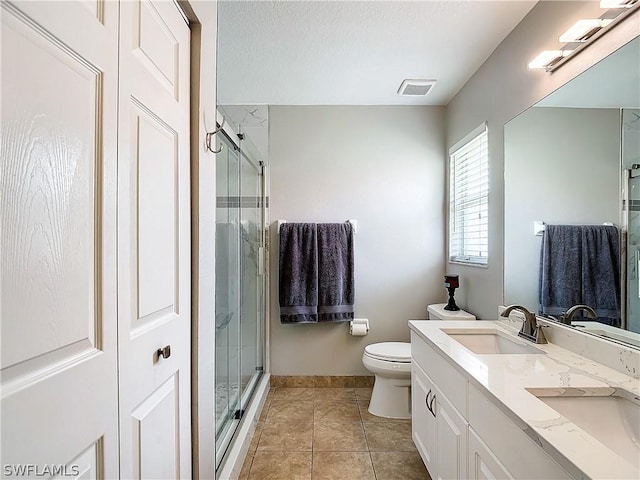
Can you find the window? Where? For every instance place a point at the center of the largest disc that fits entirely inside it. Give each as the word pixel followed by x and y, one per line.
pixel 468 199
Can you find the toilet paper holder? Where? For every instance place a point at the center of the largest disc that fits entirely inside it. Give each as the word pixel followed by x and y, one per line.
pixel 357 322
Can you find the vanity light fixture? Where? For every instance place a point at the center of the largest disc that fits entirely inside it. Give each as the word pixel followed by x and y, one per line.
pixel 582 30
pixel 548 58
pixel 617 3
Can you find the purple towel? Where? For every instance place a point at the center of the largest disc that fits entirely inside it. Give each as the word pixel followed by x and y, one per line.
pixel 580 264
pixel 601 272
pixel 298 273
pixel 316 272
pixel 335 272
pixel 560 279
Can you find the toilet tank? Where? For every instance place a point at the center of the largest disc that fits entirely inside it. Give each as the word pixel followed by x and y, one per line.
pixel 437 312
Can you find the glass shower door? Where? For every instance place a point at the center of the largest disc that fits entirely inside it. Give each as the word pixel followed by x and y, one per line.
pixel 228 280
pixel 240 283
pixel 252 267
pixel 631 168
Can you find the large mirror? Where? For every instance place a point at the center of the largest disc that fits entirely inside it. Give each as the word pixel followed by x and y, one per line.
pixel 574 159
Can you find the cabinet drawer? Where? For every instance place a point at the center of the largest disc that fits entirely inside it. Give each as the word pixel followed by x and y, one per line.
pixel 450 382
pixel 517 452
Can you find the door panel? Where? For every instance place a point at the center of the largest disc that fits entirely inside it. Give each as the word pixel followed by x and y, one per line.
pixel 58 210
pixel 154 147
pixel 53 174
pixel 154 432
pixel 154 242
pixel 157 48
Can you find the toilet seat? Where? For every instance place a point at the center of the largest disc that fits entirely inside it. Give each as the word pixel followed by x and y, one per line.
pixel 399 352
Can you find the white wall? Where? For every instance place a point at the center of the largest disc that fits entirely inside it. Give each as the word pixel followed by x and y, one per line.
pixel 502 88
pixel 562 166
pixel 383 166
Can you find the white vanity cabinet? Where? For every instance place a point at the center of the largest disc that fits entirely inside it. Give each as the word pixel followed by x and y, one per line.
pixel 439 430
pixel 460 433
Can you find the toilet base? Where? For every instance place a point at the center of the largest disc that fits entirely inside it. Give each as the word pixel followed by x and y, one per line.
pixel 391 398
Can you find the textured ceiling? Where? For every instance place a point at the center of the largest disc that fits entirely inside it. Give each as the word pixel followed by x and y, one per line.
pixel 354 53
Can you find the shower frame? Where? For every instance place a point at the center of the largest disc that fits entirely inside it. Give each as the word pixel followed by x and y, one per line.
pixel 236 209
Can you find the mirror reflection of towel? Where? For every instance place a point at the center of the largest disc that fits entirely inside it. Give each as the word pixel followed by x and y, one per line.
pixel 601 272
pixel 580 264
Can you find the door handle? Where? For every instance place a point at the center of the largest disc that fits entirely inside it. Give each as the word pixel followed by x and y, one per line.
pixel 164 352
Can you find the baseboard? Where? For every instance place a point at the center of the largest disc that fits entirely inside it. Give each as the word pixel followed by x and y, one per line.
pixel 322 381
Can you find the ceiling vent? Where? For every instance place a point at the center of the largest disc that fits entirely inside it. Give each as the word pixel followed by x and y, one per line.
pixel 416 88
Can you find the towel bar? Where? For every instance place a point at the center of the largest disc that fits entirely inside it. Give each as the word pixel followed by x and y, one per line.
pixel 539 227
pixel 353 222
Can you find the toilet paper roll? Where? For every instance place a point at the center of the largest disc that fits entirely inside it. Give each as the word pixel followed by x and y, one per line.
pixel 358 330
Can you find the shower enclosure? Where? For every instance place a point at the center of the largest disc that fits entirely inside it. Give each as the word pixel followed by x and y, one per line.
pixel 240 281
pixel 631 174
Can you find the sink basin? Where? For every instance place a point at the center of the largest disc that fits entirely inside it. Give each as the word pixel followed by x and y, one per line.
pixel 613 420
pixel 490 342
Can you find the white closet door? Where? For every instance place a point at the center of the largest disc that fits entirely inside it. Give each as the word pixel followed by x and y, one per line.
pixel 58 239
pixel 154 301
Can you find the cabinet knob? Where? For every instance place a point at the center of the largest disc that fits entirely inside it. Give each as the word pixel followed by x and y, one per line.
pixel 164 352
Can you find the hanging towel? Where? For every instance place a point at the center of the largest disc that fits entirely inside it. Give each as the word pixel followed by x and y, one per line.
pixel 601 272
pixel 298 273
pixel 335 272
pixel 560 278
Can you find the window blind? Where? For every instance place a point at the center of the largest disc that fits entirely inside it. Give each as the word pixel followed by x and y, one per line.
pixel 468 199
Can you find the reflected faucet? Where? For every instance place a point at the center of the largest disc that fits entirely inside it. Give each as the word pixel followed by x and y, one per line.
pixel 530 329
pixel 567 316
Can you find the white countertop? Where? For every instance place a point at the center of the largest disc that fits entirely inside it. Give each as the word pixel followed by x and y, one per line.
pixel 504 378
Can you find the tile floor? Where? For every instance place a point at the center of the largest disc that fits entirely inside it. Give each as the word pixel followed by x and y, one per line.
pixel 327 433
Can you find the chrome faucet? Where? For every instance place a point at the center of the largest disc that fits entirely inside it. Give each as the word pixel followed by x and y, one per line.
pixel 567 316
pixel 530 329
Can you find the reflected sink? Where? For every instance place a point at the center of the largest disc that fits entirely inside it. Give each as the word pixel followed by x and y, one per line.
pixel 490 342
pixel 612 418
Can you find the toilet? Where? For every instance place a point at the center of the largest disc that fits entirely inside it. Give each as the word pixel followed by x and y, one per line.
pixel 390 362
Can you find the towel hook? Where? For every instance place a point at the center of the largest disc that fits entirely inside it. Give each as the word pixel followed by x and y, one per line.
pixel 210 136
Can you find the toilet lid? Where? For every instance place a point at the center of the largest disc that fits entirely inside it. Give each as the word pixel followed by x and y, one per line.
pixel 392 351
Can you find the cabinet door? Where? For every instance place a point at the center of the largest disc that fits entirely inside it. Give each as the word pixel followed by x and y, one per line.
pixel 483 464
pixel 423 421
pixel 451 439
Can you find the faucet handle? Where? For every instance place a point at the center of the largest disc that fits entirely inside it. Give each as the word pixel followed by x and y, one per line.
pixel 540 338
